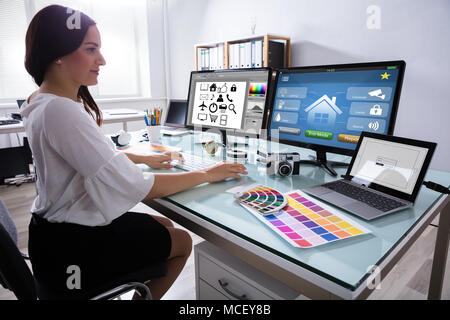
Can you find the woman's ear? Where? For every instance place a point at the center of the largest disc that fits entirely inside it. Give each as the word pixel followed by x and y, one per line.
pixel 58 61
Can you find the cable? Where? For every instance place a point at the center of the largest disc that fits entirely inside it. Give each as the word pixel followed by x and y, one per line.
pixel 436 187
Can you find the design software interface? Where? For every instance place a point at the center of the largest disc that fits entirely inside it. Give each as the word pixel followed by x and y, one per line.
pixel 228 100
pixel 332 107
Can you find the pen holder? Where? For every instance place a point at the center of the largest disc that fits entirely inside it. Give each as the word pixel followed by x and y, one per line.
pixel 154 134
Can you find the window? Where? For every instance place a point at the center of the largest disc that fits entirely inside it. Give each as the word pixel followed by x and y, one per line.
pixel 123 29
pixel 15 82
pixel 321 118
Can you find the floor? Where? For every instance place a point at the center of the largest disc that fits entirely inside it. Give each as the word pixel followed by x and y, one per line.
pixel 408 280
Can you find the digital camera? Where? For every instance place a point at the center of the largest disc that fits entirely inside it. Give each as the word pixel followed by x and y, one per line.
pixel 283 164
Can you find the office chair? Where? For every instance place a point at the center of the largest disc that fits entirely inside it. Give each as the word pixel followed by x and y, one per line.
pixel 15 275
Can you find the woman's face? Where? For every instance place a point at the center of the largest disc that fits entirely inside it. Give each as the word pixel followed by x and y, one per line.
pixel 83 65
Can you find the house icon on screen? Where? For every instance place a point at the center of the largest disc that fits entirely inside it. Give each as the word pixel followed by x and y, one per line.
pixel 323 111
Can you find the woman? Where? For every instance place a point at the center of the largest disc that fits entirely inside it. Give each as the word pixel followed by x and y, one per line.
pixel 85 187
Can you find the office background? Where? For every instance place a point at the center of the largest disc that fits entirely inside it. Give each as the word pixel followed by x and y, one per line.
pixel 332 32
pixel 322 32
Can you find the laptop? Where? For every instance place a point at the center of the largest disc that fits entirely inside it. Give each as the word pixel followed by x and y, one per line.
pixel 176 118
pixel 20 102
pixel 384 176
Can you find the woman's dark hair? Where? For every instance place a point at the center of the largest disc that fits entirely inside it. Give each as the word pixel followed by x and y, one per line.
pixel 54 32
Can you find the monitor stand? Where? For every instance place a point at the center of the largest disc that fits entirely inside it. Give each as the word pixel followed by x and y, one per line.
pixel 321 161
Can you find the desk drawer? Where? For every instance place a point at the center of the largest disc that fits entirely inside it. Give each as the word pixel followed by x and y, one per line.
pixel 227 283
pixel 206 292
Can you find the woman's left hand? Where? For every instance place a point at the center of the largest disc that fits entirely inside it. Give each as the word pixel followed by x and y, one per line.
pixel 162 161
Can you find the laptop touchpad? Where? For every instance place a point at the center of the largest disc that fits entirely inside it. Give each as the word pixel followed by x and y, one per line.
pixel 337 199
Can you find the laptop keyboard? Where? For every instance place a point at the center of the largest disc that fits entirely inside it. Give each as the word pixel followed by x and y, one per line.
pixel 194 163
pixel 372 199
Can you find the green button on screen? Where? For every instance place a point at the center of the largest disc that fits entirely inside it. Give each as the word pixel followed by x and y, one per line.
pixel 319 134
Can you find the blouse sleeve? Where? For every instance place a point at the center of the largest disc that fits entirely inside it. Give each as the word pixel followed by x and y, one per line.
pixel 113 182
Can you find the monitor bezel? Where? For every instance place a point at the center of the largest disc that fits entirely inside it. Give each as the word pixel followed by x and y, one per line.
pixel 267 104
pixel 324 148
pixel 175 125
pixel 431 146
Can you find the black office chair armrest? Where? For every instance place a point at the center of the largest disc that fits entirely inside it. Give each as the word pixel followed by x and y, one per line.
pixel 141 288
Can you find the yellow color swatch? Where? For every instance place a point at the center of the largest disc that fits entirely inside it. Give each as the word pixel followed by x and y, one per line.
pixel 354 231
pixel 296 205
pixel 334 219
pixel 344 225
pixel 313 216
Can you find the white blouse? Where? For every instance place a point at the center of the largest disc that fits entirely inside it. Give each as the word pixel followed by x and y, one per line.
pixel 81 178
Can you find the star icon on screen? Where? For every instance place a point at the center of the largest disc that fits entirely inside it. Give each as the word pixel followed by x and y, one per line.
pixel 385 76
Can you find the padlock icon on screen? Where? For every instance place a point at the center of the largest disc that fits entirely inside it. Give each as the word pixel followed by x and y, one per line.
pixel 376 110
pixel 233 88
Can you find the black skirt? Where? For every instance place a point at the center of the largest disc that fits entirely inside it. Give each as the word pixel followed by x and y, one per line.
pixel 129 243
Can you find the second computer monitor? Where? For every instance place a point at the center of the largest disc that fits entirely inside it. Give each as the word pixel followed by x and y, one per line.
pixel 231 100
pixel 325 108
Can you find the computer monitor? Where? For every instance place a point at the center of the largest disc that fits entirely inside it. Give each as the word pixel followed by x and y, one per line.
pixel 325 108
pixel 14 161
pixel 232 101
pixel 176 114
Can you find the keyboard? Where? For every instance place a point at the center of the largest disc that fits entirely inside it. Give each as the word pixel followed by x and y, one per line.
pixel 370 198
pixel 194 163
pixel 8 121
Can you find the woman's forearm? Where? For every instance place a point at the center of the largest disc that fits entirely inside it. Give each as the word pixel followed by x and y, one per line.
pixel 134 158
pixel 169 183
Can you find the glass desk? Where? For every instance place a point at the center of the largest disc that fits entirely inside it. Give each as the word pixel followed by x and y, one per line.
pixel 345 269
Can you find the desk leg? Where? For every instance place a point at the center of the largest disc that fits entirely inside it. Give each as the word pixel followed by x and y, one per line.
pixel 440 254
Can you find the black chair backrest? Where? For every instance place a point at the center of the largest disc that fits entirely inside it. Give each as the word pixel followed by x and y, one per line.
pixel 7 222
pixel 14 272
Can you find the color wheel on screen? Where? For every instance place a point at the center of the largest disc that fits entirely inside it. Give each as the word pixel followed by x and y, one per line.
pixel 263 200
pixel 257 90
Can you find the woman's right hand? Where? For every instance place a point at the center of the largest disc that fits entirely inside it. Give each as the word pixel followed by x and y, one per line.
pixel 224 170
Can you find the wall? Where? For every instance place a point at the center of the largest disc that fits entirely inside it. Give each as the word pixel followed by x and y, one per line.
pixel 329 32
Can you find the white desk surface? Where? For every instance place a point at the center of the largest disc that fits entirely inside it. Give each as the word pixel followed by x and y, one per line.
pixel 109 116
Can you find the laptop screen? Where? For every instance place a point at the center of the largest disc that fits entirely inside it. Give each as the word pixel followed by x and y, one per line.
pixel 176 115
pixel 390 164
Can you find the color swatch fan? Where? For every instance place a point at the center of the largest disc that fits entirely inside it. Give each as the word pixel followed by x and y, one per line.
pixel 263 199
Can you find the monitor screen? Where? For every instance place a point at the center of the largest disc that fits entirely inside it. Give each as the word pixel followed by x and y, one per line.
pixel 389 164
pixel 229 100
pixel 327 107
pixel 176 115
pixel 20 102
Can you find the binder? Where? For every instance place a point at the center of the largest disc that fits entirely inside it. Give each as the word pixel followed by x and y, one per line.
pixel 242 56
pixel 213 58
pixel 231 56
pixel 258 54
pixel 237 55
pixel 199 58
pixel 206 59
pixel 220 56
pixel 248 55
pixel 253 53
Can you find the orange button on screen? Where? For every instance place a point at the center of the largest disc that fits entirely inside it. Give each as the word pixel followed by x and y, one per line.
pixel 348 138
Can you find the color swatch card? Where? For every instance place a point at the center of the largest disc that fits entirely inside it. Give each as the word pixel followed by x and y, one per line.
pixel 262 199
pixel 306 222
